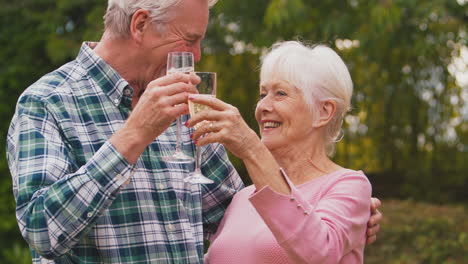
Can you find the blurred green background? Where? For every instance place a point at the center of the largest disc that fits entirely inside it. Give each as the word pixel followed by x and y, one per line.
pixel 408 129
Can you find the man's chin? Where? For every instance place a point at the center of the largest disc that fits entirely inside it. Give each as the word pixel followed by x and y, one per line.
pixel 162 72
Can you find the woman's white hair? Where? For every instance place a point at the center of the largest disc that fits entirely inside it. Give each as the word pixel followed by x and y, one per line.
pixel 319 73
pixel 119 14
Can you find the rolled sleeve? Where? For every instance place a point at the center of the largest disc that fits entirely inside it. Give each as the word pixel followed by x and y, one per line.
pixel 58 215
pixel 58 201
pixel 110 169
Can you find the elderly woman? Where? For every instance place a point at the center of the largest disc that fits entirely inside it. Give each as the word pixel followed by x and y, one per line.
pixel 302 206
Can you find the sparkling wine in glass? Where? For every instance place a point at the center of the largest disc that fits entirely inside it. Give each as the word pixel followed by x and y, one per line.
pixel 179 62
pixel 207 86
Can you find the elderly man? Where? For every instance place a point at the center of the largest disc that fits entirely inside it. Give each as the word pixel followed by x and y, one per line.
pixel 84 147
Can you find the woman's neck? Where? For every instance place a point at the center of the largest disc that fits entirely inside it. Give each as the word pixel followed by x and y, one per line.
pixel 304 162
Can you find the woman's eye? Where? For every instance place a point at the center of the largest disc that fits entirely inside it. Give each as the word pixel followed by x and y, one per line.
pixel 281 93
pixel 261 96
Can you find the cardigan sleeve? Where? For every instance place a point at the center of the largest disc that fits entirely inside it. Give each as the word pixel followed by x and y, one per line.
pixel 323 231
pixel 58 203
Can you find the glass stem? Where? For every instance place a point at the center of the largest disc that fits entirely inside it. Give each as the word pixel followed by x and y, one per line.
pixel 178 136
pixel 197 159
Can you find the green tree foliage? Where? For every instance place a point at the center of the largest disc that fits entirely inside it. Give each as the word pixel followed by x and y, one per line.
pixel 36 36
pixel 408 129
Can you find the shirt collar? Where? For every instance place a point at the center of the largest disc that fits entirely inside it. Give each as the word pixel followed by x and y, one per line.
pixel 109 80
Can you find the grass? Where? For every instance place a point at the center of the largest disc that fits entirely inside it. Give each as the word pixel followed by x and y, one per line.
pixel 414 232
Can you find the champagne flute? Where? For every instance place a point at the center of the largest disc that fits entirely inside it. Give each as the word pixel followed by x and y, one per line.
pixel 179 62
pixel 207 86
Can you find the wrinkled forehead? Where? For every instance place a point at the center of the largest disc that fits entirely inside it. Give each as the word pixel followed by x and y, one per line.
pixel 276 83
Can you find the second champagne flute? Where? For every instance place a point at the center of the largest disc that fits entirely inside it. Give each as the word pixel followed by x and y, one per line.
pixel 207 86
pixel 179 62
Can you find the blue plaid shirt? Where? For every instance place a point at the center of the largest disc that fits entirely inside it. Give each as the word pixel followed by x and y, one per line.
pixel 79 201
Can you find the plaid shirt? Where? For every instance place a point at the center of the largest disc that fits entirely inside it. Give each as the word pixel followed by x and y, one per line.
pixel 72 203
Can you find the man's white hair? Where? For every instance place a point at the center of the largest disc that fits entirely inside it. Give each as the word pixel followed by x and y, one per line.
pixel 119 14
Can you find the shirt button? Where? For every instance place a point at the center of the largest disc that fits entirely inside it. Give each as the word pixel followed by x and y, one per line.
pixel 161 186
pixel 170 227
pixel 292 199
pixel 89 215
pixel 118 177
pixel 116 101
pixel 127 92
pixel 299 206
pixel 127 182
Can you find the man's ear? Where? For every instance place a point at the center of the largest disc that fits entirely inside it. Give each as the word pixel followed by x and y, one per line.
pixel 326 112
pixel 140 21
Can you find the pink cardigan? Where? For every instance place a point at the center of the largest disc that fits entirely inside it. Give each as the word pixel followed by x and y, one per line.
pixel 322 221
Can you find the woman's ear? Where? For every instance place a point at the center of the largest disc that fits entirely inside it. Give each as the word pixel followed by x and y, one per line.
pixel 326 113
pixel 139 23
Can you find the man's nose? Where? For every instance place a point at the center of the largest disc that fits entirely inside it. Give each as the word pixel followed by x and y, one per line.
pixel 197 53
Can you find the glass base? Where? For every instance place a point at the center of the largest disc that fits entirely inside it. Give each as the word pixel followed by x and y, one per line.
pixel 179 157
pixel 198 178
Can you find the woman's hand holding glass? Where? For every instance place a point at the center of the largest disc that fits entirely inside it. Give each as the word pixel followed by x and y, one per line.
pixel 207 87
pixel 225 126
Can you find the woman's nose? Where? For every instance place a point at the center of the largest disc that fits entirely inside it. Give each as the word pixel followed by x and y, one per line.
pixel 265 104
